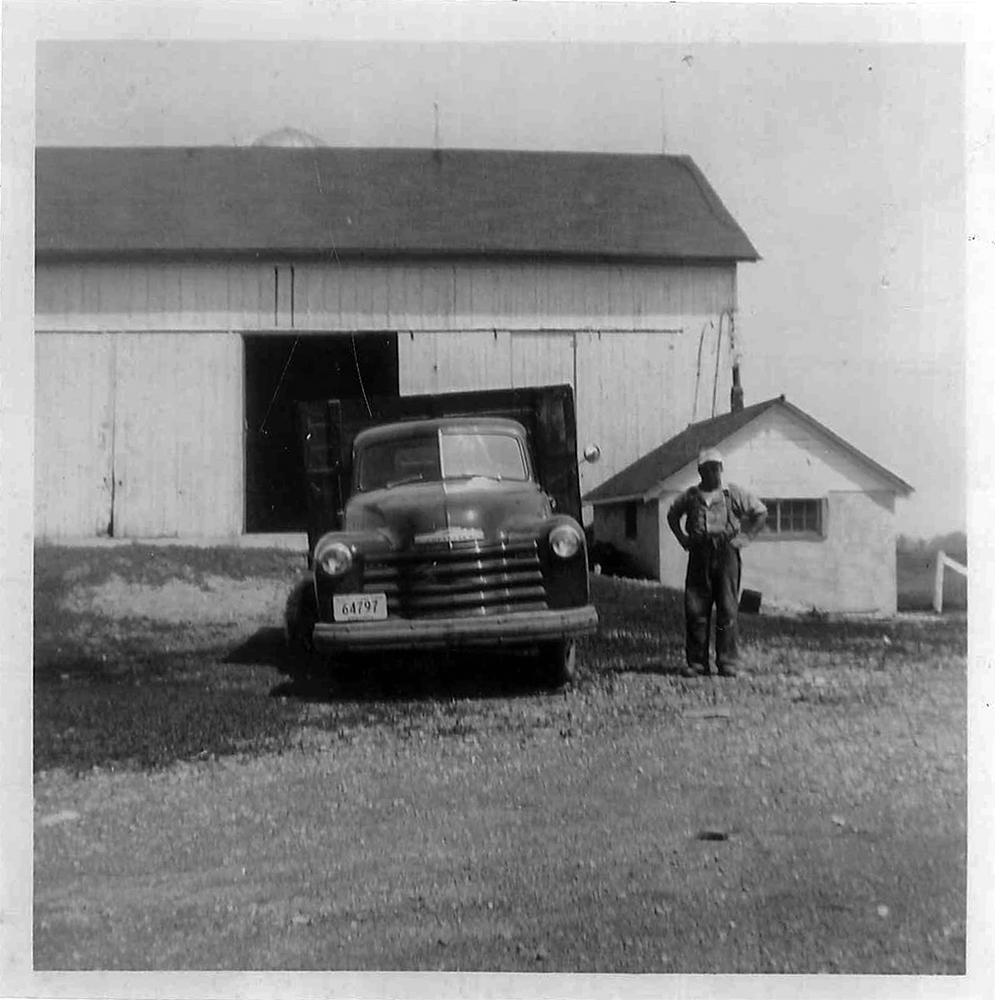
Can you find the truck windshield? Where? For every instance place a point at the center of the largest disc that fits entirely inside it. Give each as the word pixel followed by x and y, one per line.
pixel 449 455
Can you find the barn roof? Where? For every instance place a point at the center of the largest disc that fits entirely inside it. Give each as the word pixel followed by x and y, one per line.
pixel 226 201
pixel 640 478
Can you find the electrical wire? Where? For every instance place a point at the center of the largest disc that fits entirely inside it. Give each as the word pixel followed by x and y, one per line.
pixel 276 391
pixel 697 376
pixel 362 387
pixel 718 359
pixel 352 333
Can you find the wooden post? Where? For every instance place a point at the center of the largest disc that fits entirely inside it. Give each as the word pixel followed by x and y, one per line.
pixel 938 582
pixel 943 561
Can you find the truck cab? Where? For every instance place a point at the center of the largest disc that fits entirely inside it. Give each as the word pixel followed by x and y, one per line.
pixel 448 538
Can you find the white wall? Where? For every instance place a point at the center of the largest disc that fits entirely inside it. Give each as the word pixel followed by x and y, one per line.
pixel 626 337
pixel 851 570
pixel 142 428
pixel 780 456
pixel 632 389
pixel 356 296
pixel 74 433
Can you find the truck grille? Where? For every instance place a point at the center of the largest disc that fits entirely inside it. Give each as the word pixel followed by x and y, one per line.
pixel 463 581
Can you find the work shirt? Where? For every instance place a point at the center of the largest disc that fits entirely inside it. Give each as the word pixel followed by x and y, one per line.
pixel 717 513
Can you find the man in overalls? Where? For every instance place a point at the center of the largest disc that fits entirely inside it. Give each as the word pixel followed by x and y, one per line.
pixel 718 521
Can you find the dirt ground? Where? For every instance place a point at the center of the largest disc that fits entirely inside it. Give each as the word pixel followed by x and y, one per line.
pixel 807 816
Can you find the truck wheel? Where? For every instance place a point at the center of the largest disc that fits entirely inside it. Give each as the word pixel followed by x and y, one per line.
pixel 559 662
pixel 300 617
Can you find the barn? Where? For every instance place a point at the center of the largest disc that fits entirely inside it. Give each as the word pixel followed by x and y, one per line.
pixel 187 298
pixel 830 537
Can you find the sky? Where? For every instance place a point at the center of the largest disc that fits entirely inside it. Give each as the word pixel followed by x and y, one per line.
pixel 844 163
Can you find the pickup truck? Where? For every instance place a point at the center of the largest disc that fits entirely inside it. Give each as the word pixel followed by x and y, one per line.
pixel 440 522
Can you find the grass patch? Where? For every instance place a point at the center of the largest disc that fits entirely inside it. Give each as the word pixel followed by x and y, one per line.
pixel 57 567
pixel 647 623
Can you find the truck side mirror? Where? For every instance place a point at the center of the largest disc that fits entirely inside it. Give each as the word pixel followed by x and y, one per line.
pixel 592 453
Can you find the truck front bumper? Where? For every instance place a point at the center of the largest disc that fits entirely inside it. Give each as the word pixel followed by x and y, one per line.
pixel 522 628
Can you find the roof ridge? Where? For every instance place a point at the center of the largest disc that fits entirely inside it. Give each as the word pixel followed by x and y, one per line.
pixel 329 148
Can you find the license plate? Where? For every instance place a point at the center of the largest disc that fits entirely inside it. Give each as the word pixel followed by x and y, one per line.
pixel 359 607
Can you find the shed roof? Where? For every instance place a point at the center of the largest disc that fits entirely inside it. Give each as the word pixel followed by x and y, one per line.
pixel 637 480
pixel 378 202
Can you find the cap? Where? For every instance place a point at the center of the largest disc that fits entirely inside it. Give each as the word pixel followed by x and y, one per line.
pixel 707 455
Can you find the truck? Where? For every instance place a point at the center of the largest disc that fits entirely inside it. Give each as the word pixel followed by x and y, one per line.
pixel 443 521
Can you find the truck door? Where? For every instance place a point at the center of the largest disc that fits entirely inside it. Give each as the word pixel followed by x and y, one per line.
pixel 556 444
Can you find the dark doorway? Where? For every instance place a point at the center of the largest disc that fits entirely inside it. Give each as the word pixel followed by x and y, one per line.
pixel 281 371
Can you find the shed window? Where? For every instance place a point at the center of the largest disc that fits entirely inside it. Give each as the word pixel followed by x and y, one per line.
pixel 797 518
pixel 631 520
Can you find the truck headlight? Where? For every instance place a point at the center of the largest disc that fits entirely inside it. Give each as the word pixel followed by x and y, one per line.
pixel 565 540
pixel 334 559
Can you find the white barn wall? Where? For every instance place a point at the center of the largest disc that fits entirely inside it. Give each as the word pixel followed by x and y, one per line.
pixel 166 297
pixel 626 337
pixel 509 296
pixel 453 360
pixel 74 434
pixel 354 296
pixel 179 441
pixel 142 428
pixel 633 389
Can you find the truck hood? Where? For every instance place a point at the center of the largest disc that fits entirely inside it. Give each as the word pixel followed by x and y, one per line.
pixel 481 510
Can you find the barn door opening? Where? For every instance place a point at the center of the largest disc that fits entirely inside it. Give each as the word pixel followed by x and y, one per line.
pixel 281 371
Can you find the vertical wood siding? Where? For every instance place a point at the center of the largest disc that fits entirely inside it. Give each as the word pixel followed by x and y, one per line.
pixel 636 389
pixel 452 361
pixel 157 297
pixel 365 296
pixel 626 337
pixel 141 432
pixel 178 444
pixel 74 434
pixel 633 389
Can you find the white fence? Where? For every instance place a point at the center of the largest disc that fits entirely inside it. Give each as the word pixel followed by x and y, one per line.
pixel 944 561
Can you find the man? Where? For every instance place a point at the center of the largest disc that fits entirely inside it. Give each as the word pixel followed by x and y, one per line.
pixel 718 521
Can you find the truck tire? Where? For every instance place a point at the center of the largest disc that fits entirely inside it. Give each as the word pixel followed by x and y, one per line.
pixel 300 617
pixel 559 662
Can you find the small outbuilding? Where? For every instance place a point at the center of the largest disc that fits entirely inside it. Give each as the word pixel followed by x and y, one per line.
pixel 829 542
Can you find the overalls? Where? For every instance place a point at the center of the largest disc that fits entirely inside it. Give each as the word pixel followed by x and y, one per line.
pixel 713 577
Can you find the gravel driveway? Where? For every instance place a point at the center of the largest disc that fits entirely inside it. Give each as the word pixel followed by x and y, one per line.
pixel 808 816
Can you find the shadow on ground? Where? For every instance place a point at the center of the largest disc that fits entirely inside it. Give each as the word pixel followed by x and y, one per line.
pixel 474 675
